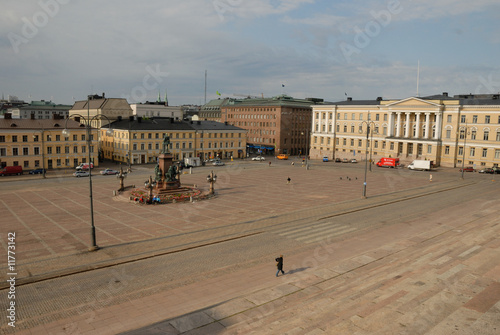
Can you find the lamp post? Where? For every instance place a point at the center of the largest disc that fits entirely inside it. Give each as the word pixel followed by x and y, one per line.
pixel 465 129
pixel 42 132
pixel 88 121
pixel 212 178
pixel 369 124
pixel 307 146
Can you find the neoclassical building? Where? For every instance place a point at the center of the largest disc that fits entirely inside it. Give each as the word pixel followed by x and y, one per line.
pixel 446 130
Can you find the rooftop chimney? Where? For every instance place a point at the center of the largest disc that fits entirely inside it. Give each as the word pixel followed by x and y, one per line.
pixel 349 98
pixel 7 116
pixel 445 94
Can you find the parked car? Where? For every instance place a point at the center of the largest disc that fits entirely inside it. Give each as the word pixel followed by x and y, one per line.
pixel 218 163
pixel 38 171
pixel 259 158
pixel 282 156
pixel 345 160
pixel 109 172
pixel 10 170
pixel 338 160
pixel 81 173
pixel 325 159
pixel 354 160
pixel 468 169
pixel 487 170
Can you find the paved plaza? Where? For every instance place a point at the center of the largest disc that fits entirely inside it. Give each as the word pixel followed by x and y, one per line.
pixel 435 273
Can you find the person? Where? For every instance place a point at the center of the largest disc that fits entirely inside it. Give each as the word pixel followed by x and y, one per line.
pixel 288 180
pixel 269 164
pixel 279 265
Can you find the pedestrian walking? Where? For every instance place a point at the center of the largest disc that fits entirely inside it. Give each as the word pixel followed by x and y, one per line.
pixel 279 265
pixel 269 164
pixel 288 180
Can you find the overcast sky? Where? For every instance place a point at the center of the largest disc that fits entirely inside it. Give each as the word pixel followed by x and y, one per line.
pixel 63 50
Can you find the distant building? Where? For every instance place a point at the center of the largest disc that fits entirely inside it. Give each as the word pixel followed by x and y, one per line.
pixel 40 109
pixel 211 111
pixel 141 139
pixel 156 109
pixel 277 125
pixel 450 131
pixel 36 143
pixel 98 110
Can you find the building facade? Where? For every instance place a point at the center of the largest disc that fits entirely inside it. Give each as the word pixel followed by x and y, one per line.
pixel 142 140
pixel 278 125
pixel 156 109
pixel 97 110
pixel 443 129
pixel 40 110
pixel 44 143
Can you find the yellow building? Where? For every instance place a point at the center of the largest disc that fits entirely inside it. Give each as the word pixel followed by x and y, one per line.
pixel 443 129
pixel 43 143
pixel 142 140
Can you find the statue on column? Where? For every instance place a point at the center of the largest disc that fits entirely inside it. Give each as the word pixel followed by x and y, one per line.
pixel 166 144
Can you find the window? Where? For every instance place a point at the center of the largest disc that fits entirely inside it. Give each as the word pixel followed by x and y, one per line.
pixel 361 117
pixel 25 138
pixel 352 143
pixel 2 138
pixel 352 129
pixel 462 134
pixel 36 150
pixel 487 119
pixel 58 150
pixel 25 151
pixel 360 143
pixel 377 117
pixel 75 137
pixel 49 150
pixel 485 152
pixel 486 135
pixel 353 116
pixel 447 150
pixel 345 128
pixel 84 149
pixel 472 152
pixel 66 150
pixel 448 118
pixel 474 118
pixel 58 137
pixel 448 133
pixel 429 149
pixel 462 119
pixel 344 142
pixel 75 149
pixel 498 135
pixel 473 135
pixel 14 138
pixel 497 153
pixel 385 117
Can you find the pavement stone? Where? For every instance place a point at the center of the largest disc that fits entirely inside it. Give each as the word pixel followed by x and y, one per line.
pixel 441 280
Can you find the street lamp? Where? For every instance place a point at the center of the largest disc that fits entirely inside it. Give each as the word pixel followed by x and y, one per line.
pixel 212 178
pixel 66 133
pixel 307 146
pixel 43 151
pixel 369 124
pixel 465 129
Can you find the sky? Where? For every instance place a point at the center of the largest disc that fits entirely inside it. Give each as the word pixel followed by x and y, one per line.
pixel 64 50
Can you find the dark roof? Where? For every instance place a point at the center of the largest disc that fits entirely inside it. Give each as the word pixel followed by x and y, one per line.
pixel 45 124
pixel 166 124
pixel 281 100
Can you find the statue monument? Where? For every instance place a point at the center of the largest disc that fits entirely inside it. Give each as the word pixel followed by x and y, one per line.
pixel 166 170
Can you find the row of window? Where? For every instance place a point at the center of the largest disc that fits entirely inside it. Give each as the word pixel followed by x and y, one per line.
pixel 36 138
pixel 50 163
pixel 50 150
pixel 472 152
